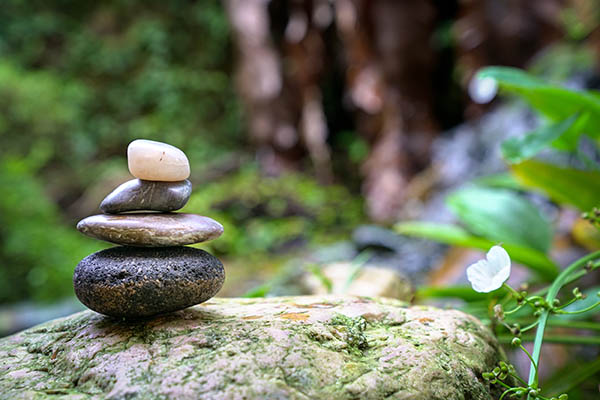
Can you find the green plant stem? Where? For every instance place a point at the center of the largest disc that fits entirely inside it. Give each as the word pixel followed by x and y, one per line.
pixel 568 303
pixel 514 310
pixel 517 377
pixel 534 363
pixel 572 278
pixel 509 391
pixel 558 283
pixel 503 384
pixel 583 310
pixel 561 339
pixel 561 323
pixel 511 290
pixel 530 326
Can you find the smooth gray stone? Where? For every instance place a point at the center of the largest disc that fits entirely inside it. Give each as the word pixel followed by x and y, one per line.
pixel 133 282
pixel 151 229
pixel 138 194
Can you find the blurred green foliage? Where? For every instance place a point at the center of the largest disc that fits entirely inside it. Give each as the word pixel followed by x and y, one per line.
pixel 38 251
pixel 112 72
pixel 503 214
pixel 493 215
pixel 563 185
pixel 266 214
pixel 78 82
pixel 581 109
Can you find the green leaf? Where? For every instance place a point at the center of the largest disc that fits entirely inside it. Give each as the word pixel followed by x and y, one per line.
pixel 518 149
pixel 463 292
pixel 563 185
pixel 502 216
pixel 571 376
pixel 317 272
pixel 259 291
pixel 453 235
pixel 502 180
pixel 554 102
pixel 356 265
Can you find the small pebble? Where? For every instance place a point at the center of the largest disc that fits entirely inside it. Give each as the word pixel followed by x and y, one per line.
pixel 138 194
pixel 157 161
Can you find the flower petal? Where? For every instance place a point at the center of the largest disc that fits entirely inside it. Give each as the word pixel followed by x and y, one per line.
pixel 488 275
pixel 498 258
pixel 478 276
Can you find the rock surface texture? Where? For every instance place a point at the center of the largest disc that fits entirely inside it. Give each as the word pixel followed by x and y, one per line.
pixel 315 347
pixel 135 282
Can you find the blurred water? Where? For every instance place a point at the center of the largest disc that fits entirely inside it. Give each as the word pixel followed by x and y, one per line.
pixel 19 316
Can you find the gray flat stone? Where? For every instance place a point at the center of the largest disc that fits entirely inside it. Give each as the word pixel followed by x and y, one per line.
pixel 138 194
pixel 151 229
pixel 135 282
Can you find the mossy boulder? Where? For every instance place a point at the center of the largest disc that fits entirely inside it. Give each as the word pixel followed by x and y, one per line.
pixel 310 347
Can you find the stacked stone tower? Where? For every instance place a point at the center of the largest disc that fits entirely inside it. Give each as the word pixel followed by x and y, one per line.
pixel 152 271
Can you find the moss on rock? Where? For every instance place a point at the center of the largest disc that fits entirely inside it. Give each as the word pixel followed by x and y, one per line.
pixel 309 347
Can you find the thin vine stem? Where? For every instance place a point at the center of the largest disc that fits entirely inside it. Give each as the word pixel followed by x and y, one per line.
pixel 533 362
pixel 581 311
pixel 561 339
pixel 558 283
pixel 509 391
pixel 569 324
pixel 517 377
pixel 568 303
pixel 514 310
pixel 530 326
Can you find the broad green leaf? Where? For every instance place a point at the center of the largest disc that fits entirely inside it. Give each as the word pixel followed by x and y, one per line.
pixel 463 292
pixel 569 140
pixel 259 291
pixel 453 235
pixel 518 149
pixel 502 180
pixel 502 216
pixel 563 185
pixel 555 102
pixel 571 376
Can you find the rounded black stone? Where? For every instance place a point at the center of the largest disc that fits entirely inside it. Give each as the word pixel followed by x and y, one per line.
pixel 135 282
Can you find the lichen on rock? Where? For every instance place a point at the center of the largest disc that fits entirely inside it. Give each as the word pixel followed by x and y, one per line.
pixel 310 347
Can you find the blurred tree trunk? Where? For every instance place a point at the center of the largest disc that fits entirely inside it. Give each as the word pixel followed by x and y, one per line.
pixel 390 61
pixel 389 81
pixel 271 114
pixel 283 105
pixel 508 32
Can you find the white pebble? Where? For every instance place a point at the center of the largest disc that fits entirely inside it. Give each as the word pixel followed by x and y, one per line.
pixel 157 161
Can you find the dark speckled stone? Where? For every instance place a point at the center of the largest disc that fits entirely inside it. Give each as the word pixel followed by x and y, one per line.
pixel 135 282
pixel 138 194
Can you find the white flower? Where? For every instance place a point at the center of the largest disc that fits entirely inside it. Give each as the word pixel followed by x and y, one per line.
pixel 488 275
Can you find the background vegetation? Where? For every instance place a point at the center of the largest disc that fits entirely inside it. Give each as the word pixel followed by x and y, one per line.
pixel 303 121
